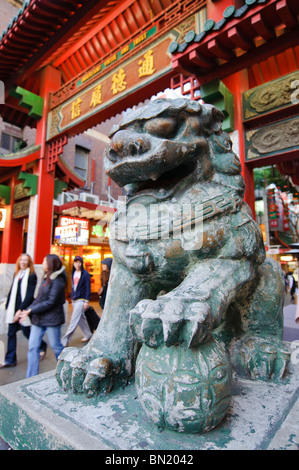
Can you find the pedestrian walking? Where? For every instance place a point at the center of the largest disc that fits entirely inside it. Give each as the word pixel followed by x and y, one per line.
pixel 80 296
pixel 106 268
pixel 20 296
pixel 46 312
pixel 292 285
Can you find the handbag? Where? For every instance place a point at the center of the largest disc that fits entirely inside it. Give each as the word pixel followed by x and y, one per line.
pixel 92 318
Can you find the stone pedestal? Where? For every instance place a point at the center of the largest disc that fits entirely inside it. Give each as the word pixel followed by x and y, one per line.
pixel 36 414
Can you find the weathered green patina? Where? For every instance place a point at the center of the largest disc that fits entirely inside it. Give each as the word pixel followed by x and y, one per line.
pixel 190 281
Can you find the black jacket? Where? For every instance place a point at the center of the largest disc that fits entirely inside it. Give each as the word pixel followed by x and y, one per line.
pixel 29 298
pixel 47 309
pixel 83 287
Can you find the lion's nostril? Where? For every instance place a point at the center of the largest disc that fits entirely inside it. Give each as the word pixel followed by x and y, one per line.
pixel 113 155
pixel 133 148
pixel 127 144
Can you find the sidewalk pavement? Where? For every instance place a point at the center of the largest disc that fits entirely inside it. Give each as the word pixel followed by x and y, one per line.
pixel 13 374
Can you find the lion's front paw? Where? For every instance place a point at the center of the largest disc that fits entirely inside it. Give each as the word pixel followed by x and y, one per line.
pixel 81 372
pixel 170 321
pixel 259 358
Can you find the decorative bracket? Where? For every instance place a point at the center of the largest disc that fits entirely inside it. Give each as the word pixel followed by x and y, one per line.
pixel 29 100
pixel 54 149
pixel 5 194
pixel 30 182
pixel 216 93
pixel 59 187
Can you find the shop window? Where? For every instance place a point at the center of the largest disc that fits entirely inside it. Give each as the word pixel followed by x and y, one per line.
pixel 5 141
pixel 10 142
pixel 81 161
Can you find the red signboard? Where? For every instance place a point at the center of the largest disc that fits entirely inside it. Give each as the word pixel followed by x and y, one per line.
pixel 121 81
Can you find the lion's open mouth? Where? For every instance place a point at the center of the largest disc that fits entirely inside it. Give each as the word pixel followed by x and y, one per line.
pixel 167 181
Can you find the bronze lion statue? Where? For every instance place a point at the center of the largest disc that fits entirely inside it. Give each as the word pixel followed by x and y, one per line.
pixel 189 275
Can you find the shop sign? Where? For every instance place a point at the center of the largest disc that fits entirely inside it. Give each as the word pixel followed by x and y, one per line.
pixel 107 90
pixel 287 258
pixel 272 209
pixel 273 224
pixel 72 231
pixel 277 210
pixel 64 221
pixel 99 233
pixel 69 231
pixel 273 251
pixel 2 218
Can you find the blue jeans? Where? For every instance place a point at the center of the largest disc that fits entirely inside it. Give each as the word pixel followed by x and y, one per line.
pixel 13 328
pixel 35 339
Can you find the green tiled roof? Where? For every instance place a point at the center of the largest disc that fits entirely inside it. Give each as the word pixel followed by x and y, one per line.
pixel 211 26
pixel 15 18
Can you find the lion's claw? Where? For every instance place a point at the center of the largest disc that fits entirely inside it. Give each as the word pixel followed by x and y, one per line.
pixel 260 358
pixel 168 322
pixel 80 372
pixel 99 377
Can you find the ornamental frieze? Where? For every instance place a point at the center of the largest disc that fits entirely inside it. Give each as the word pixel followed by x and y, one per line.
pixel 275 138
pixel 271 96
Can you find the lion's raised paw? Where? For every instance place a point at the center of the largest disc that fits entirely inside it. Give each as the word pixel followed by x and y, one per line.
pixel 169 322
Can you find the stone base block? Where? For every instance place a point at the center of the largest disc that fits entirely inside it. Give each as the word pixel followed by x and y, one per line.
pixel 35 414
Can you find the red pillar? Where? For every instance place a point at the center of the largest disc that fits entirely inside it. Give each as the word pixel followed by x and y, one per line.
pixel 50 81
pixel 12 241
pixel 237 84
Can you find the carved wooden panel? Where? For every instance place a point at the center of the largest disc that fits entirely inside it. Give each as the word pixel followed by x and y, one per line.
pixel 272 139
pixel 271 96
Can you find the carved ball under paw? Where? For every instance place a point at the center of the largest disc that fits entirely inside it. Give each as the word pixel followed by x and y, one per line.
pixel 184 389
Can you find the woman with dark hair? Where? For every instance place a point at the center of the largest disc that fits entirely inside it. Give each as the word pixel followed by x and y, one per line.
pixel 46 312
pixel 106 268
pixel 20 296
pixel 80 296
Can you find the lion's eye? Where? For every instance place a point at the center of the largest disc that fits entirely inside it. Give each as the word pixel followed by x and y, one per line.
pixel 161 127
pixel 225 143
pixel 228 144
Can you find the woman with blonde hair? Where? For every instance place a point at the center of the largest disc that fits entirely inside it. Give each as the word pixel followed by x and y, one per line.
pixel 46 312
pixel 20 296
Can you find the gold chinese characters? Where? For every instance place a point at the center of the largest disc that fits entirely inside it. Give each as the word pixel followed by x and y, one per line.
pixel 118 83
pixel 147 65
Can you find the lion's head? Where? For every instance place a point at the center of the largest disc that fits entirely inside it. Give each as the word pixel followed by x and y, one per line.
pixel 159 145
